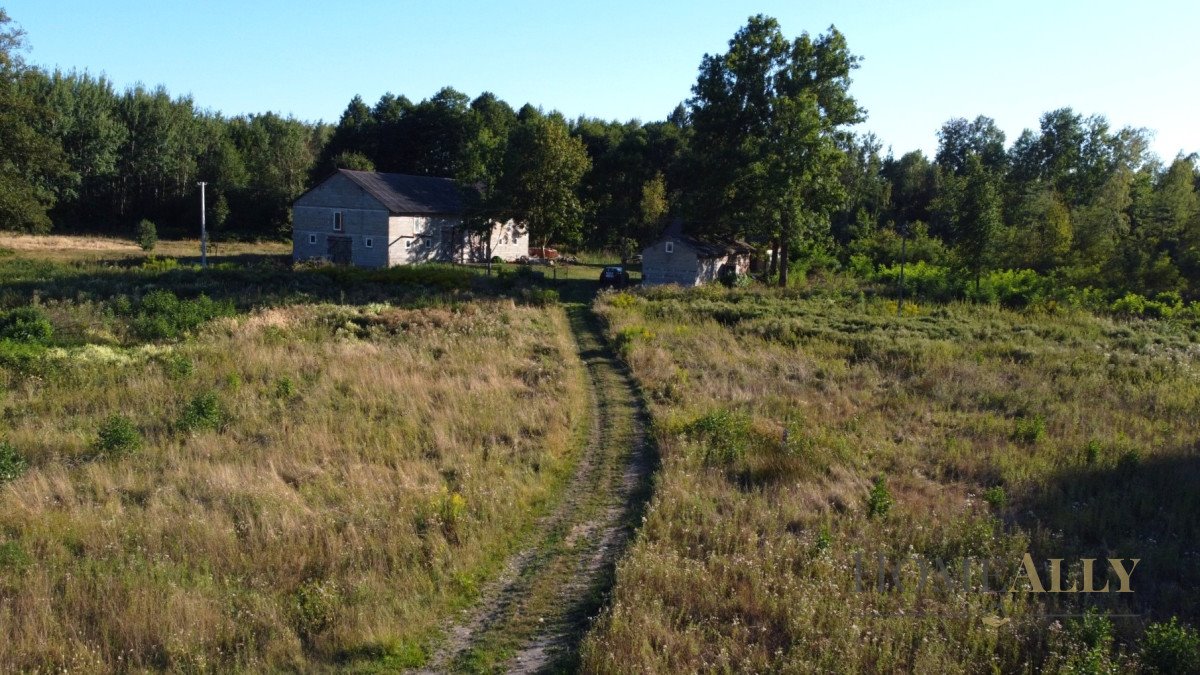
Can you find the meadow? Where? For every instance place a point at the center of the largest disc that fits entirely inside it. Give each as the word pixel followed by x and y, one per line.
pixel 256 468
pixel 802 429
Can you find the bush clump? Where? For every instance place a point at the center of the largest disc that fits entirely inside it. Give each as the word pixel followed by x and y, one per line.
pixel 147 235
pixel 161 315
pixel 879 499
pixel 1171 648
pixel 203 412
pixel 12 464
pixel 26 324
pixel 118 436
pixel 726 435
pixel 1029 430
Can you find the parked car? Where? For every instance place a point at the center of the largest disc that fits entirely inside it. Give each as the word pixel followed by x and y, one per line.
pixel 540 252
pixel 615 277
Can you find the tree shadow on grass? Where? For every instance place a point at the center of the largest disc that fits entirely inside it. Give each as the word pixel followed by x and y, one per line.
pixel 1128 507
pixel 255 280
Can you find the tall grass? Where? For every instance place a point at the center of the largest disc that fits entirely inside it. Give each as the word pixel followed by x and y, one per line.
pixel 799 429
pixel 295 487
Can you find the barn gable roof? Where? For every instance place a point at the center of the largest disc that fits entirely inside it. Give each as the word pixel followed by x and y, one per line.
pixel 410 195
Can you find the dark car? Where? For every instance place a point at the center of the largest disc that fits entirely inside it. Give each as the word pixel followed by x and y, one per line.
pixel 615 277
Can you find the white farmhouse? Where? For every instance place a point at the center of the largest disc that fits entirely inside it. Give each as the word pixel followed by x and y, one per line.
pixel 371 219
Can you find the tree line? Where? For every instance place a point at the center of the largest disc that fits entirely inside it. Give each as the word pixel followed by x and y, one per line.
pixel 764 150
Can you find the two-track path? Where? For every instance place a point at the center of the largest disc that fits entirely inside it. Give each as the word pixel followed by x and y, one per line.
pixel 532 618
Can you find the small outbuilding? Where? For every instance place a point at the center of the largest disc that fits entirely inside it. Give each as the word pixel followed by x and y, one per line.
pixel 372 219
pixel 688 260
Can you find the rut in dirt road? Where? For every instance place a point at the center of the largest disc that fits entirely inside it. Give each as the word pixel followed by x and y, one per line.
pixel 533 617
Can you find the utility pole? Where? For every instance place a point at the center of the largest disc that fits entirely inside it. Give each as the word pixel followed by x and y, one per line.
pixel 903 259
pixel 203 229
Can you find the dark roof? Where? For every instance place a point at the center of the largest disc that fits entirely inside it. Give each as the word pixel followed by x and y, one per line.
pixel 405 194
pixel 707 247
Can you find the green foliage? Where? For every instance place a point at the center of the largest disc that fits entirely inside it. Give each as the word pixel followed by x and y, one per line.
pixel 12 556
pixel 117 436
pixel 539 297
pixel 160 315
pixel 315 608
pixel 1010 288
pixel 931 282
pixel 996 497
pixel 178 366
pixel 147 235
pixel 21 357
pixel 284 388
pixel 26 324
pixel 12 464
pixel 879 499
pixel 1170 647
pixel 724 436
pixel 203 412
pixel 1029 430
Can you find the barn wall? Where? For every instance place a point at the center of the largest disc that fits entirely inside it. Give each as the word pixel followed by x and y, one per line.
pixel 311 221
pixel 509 242
pixel 417 239
pixel 659 267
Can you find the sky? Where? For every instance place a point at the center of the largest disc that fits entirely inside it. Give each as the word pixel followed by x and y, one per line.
pixel 923 62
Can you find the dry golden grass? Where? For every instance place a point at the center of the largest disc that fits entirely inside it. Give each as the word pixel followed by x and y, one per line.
pixel 79 246
pixel 372 466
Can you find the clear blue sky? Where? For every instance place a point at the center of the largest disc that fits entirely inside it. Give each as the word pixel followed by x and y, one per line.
pixel 1137 63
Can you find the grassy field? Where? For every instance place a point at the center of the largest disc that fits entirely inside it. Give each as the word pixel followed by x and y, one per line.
pixel 254 468
pixel 800 429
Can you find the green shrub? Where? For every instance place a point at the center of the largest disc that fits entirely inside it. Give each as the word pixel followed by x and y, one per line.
pixel 1010 288
pixel 315 608
pixel 12 464
pixel 539 297
pixel 932 282
pixel 118 436
pixel 21 357
pixel 1091 452
pixel 285 388
pixel 12 556
pixel 161 315
pixel 879 499
pixel 147 235
pixel 1171 648
pixel 996 497
pixel 724 434
pixel 203 412
pixel 1029 430
pixel 26 324
pixel 178 366
pixel 1131 305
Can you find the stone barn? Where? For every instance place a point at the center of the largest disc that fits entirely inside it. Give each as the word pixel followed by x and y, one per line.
pixel 372 219
pixel 679 258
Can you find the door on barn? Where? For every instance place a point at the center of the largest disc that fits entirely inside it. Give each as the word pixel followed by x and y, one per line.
pixel 339 250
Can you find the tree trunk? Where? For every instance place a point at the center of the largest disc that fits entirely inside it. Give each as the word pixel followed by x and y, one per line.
pixel 773 266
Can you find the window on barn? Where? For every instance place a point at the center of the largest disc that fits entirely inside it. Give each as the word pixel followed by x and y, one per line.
pixel 670 247
pixel 312 238
pixel 369 242
pixel 408 243
pixel 338 222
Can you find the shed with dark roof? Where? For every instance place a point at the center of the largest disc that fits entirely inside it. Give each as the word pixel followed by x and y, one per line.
pixel 374 219
pixel 690 260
